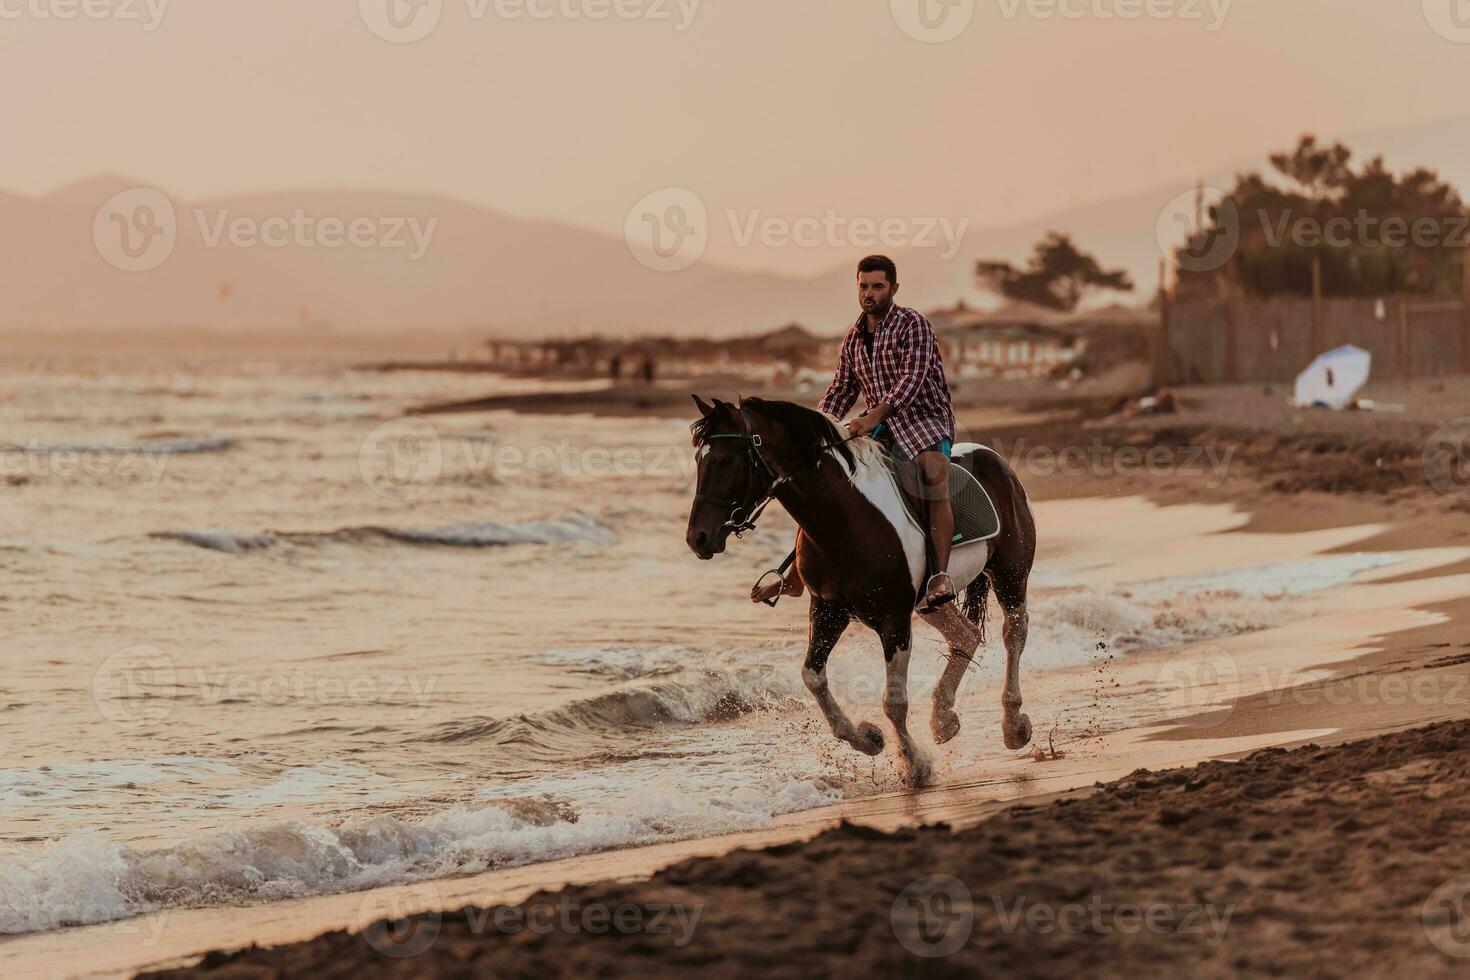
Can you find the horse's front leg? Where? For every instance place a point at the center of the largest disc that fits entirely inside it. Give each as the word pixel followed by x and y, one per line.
pixel 828 621
pixel 915 766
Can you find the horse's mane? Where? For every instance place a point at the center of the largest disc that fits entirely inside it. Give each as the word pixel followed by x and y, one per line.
pixel 812 431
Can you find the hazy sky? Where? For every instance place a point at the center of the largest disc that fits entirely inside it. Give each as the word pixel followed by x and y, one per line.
pixel 791 107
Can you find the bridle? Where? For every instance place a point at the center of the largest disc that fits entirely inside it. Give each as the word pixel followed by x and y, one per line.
pixel 745 511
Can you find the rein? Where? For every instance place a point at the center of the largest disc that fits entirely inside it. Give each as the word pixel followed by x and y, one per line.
pixel 744 514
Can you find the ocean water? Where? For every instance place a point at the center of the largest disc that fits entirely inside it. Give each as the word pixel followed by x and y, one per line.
pixel 266 637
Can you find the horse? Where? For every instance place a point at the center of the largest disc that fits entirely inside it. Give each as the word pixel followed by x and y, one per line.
pixel 861 557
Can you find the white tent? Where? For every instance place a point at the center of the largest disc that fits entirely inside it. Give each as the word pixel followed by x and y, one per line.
pixel 1334 378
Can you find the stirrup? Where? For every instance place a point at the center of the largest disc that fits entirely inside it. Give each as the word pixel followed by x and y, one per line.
pixel 944 598
pixel 781 576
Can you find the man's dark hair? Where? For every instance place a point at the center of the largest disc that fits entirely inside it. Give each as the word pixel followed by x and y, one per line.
pixel 880 263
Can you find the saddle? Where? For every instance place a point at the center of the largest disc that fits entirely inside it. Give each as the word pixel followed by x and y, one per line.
pixel 975 516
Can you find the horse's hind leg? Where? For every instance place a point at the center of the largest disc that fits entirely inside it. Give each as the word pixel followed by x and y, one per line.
pixel 963 638
pixel 828 621
pixel 1015 726
pixel 916 768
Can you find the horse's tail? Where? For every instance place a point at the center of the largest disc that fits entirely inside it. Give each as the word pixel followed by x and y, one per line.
pixel 977 599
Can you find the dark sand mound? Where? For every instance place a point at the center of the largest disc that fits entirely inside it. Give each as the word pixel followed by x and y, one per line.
pixel 1311 862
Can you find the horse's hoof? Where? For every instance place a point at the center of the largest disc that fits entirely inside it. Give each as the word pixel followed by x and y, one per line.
pixel 1017 736
pixel 918 773
pixel 869 739
pixel 945 725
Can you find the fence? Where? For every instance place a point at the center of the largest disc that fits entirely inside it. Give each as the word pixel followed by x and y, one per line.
pixel 1244 338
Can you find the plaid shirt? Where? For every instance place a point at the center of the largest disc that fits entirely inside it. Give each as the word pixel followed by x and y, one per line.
pixel 905 371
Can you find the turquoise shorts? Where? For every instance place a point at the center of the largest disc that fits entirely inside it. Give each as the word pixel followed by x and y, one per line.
pixel 945 446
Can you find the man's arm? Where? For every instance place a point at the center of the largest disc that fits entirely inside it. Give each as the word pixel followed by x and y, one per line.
pixel 843 390
pixel 921 351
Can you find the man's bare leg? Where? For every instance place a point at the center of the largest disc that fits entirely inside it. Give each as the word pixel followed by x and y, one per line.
pixel 935 469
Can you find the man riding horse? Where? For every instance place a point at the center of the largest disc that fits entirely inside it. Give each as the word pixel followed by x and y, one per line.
pixel 891 357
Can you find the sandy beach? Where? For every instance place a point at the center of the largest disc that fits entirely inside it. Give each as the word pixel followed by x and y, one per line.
pixel 1199 610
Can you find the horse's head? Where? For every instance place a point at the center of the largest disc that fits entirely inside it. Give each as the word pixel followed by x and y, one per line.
pixel 729 481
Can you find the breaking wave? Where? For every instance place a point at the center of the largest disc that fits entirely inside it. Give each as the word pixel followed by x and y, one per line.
pixel 82 882
pixel 595 726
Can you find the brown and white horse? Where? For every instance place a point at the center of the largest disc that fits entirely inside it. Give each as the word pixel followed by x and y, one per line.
pixel 860 554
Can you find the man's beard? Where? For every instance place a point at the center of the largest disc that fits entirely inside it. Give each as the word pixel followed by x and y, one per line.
pixel 881 311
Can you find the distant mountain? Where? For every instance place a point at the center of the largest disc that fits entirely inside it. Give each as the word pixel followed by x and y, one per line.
pixel 481 268
pixel 487 270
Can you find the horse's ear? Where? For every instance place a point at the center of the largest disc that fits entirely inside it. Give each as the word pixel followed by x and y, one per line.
pixel 704 409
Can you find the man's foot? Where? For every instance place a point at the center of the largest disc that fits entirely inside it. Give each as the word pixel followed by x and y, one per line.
pixel 765 593
pixel 940 591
